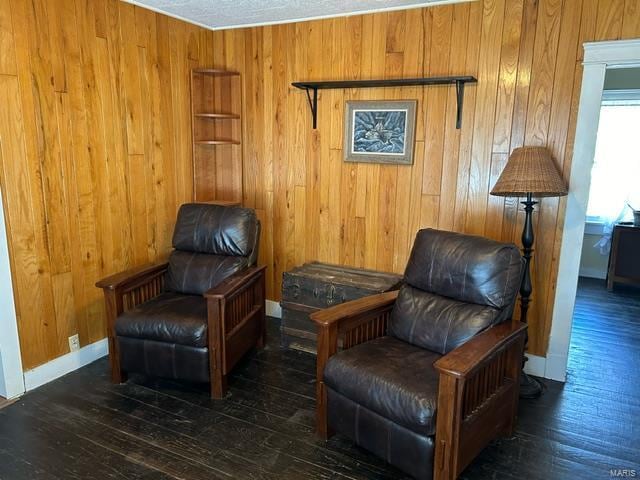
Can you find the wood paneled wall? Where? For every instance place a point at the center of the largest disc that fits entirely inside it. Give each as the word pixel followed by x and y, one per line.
pixel 527 57
pixel 96 156
pixel 95 147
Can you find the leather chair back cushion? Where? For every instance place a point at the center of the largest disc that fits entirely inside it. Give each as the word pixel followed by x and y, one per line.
pixel 465 267
pixel 437 323
pixel 216 230
pixel 195 273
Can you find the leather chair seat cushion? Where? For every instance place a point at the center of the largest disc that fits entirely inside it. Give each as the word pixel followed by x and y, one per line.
pixel 216 230
pixel 195 273
pixel 438 323
pixel 467 268
pixel 162 359
pixel 390 377
pixel 403 448
pixel 169 317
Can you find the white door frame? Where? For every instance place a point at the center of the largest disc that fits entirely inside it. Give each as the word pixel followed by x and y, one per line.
pixel 11 375
pixel 598 57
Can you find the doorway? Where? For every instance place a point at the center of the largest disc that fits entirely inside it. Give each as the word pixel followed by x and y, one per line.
pixel 599 59
pixel 605 335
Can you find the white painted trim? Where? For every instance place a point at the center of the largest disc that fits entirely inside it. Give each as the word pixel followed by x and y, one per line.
pixel 273 309
pixel 295 20
pixel 628 95
pixel 65 364
pixel 597 58
pixel 535 365
pixel 594 228
pixel 615 53
pixel 11 379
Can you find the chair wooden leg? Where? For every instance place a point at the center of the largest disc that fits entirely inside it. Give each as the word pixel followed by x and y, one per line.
pixel 117 374
pixel 323 429
pixel 218 385
pixel 514 358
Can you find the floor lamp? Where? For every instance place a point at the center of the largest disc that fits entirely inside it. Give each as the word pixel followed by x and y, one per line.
pixel 530 172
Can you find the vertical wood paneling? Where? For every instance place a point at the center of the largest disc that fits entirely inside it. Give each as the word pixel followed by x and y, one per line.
pixel 96 156
pixel 525 54
pixel 7 50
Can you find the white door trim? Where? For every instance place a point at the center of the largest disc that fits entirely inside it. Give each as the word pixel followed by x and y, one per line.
pixel 598 56
pixel 11 376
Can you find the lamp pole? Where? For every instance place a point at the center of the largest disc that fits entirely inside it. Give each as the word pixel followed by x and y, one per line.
pixel 529 171
pixel 529 387
pixel 527 252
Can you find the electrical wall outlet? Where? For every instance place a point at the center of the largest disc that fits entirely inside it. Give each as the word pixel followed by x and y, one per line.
pixel 74 343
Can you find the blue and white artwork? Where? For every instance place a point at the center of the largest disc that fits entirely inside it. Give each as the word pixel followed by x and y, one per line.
pixel 379 131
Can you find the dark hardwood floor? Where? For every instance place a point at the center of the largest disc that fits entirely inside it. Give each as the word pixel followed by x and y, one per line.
pixel 82 427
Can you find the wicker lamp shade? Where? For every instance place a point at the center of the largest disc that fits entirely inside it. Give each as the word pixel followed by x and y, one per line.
pixel 530 170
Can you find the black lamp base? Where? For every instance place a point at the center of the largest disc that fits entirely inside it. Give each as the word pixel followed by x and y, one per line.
pixel 530 387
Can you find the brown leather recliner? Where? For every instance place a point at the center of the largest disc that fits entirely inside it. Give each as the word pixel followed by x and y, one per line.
pixel 427 376
pixel 193 317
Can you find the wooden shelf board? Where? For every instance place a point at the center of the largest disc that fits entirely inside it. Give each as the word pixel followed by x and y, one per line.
pixel 216 72
pixel 391 82
pixel 313 87
pixel 217 142
pixel 217 115
pixel 224 203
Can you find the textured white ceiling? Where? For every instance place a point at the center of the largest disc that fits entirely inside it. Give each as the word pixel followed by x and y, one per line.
pixel 220 14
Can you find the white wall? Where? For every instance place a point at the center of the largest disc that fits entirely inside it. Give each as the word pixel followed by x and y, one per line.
pixel 592 263
pixel 3 385
pixel 11 377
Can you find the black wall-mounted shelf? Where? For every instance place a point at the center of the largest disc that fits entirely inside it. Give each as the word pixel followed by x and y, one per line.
pixel 459 82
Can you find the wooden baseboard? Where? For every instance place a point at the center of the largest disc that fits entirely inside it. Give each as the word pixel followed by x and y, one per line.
pixel 5 403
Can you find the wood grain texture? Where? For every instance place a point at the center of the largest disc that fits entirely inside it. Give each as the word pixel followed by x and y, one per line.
pixel 95 154
pixel 96 139
pixel 526 56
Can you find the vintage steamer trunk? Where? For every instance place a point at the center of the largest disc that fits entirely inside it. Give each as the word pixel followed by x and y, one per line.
pixel 315 286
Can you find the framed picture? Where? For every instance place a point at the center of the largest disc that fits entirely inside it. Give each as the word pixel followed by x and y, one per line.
pixel 379 131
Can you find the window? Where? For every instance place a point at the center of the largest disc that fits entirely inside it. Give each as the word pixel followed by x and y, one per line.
pixel 615 177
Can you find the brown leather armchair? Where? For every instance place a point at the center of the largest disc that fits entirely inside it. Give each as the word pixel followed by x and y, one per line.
pixel 426 376
pixel 191 318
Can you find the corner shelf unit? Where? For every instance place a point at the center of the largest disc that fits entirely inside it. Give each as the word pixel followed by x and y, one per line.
pixel 458 81
pixel 216 126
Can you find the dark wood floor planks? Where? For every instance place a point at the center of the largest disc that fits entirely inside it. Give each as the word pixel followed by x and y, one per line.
pixel 82 427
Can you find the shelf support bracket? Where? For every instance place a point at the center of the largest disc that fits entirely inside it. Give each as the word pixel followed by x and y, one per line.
pixel 313 104
pixel 460 99
pixel 458 81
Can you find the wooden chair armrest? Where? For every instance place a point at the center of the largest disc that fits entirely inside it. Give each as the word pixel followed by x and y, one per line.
pixel 354 308
pixel 131 276
pixel 462 361
pixel 354 322
pixel 477 396
pixel 231 284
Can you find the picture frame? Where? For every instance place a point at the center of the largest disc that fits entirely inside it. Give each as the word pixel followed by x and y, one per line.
pixel 380 131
